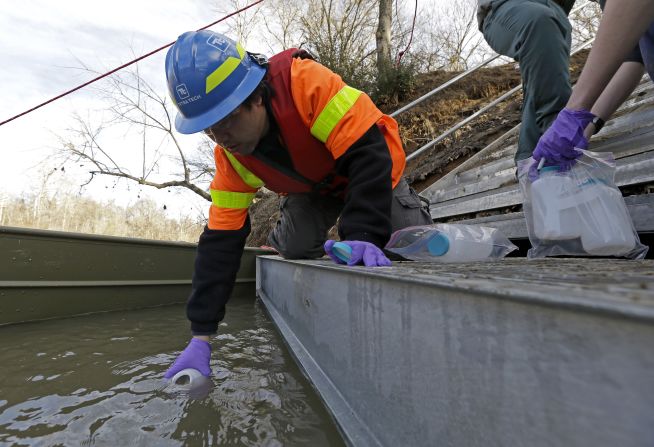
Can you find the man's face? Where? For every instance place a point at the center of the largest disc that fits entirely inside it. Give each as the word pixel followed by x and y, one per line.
pixel 240 131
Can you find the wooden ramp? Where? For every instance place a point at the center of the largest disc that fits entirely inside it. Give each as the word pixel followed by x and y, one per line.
pixel 484 189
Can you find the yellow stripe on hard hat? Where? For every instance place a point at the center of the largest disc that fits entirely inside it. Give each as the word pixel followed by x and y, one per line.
pixel 226 68
pixel 228 199
pixel 248 177
pixel 335 109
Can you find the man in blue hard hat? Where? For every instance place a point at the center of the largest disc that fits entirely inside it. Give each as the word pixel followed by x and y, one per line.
pixel 293 125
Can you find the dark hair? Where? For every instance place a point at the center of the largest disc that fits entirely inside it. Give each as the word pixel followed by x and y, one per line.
pixel 262 91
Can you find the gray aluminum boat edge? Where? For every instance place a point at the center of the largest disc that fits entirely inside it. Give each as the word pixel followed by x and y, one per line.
pixel 352 429
pixel 517 352
pixel 54 274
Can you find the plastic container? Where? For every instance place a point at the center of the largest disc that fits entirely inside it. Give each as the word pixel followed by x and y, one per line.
pixel 554 203
pixel 190 383
pixel 449 243
pixel 606 228
pixel 602 225
pixel 189 378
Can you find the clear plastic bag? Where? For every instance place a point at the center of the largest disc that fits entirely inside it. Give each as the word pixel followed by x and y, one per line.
pixel 579 212
pixel 450 243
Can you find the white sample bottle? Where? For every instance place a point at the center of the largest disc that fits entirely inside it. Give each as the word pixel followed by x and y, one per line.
pixel 606 224
pixel 554 207
pixel 188 378
pixel 191 383
pixel 447 243
pixel 450 248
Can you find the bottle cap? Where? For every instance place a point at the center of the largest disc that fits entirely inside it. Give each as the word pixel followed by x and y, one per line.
pixel 549 169
pixel 342 251
pixel 438 244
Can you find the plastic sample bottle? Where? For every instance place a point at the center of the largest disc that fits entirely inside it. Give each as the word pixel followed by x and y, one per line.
pixel 190 383
pixel 606 224
pixel 447 244
pixel 554 205
pixel 189 378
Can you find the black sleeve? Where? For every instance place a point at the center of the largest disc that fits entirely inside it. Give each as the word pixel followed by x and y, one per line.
pixel 367 164
pixel 216 263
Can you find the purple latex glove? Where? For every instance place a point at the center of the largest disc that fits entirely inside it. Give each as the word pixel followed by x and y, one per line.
pixel 196 356
pixel 558 143
pixel 362 253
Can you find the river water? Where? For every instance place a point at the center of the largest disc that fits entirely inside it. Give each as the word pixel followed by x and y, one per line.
pixel 97 380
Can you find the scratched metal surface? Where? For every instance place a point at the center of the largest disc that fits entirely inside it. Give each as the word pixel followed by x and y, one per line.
pixel 603 284
pixel 514 352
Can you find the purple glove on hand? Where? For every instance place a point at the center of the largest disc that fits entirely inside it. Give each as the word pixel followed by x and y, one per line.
pixel 196 356
pixel 566 133
pixel 369 253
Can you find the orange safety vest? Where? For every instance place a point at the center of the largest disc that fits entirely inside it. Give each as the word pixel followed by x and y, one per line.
pixel 319 117
pixel 313 162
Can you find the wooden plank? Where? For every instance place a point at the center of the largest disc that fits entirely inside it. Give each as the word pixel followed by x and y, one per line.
pixel 488 170
pixel 486 155
pixel 632 142
pixel 630 171
pixel 643 93
pixel 626 134
pixel 486 200
pixel 640 117
pixel 514 226
pixel 488 182
pixel 500 173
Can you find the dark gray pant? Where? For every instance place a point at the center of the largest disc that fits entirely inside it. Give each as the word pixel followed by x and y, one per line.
pixel 536 33
pixel 304 220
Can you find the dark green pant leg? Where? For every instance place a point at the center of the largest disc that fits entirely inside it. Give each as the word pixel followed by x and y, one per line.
pixel 303 224
pixel 305 220
pixel 408 209
pixel 536 33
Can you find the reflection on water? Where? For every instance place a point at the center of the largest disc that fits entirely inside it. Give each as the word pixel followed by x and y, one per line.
pixel 97 380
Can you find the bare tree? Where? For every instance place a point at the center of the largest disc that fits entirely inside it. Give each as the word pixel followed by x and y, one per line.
pixel 65 210
pixel 340 33
pixel 585 22
pixel 345 35
pixel 281 21
pixel 459 36
pixel 243 24
pixel 134 108
pixel 447 38
pixel 383 36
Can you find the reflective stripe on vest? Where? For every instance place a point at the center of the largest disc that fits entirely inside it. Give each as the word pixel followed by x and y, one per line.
pixel 235 200
pixel 246 175
pixel 226 68
pixel 333 112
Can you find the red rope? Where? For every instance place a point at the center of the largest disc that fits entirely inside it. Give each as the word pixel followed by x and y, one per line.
pixel 401 53
pixel 120 68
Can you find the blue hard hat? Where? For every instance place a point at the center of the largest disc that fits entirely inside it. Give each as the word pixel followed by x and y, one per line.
pixel 209 75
